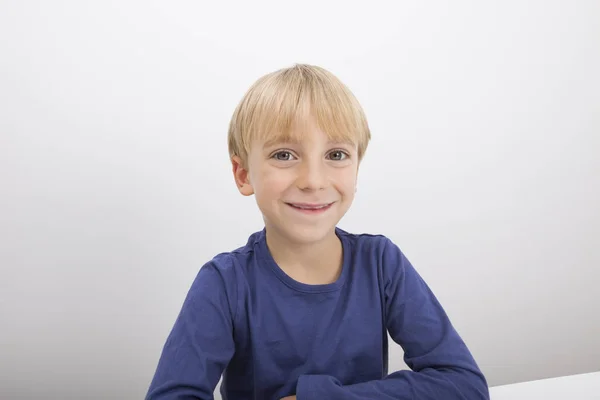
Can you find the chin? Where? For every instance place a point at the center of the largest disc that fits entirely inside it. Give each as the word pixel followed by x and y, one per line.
pixel 306 234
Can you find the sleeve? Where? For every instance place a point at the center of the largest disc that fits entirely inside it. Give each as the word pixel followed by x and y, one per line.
pixel 200 344
pixel 441 365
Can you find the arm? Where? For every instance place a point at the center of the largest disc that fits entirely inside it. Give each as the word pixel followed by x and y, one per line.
pixel 200 344
pixel 441 365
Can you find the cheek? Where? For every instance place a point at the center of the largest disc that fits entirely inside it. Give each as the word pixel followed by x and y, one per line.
pixel 347 183
pixel 271 183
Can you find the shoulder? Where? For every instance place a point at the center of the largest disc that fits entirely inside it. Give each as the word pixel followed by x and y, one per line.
pixel 377 249
pixel 363 242
pixel 226 268
pixel 221 278
pixel 232 263
pixel 372 244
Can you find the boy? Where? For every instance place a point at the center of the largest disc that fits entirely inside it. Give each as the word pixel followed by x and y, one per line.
pixel 304 308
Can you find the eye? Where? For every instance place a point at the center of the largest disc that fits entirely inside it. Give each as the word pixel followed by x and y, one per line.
pixel 283 155
pixel 338 155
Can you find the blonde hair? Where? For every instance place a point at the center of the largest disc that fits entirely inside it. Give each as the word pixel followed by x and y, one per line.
pixel 283 99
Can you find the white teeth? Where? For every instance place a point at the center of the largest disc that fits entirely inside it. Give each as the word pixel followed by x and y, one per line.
pixel 310 208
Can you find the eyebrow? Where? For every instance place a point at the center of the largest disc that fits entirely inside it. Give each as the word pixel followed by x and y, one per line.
pixel 273 142
pixel 343 141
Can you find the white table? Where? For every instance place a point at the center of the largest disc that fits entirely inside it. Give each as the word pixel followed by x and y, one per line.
pixel 574 387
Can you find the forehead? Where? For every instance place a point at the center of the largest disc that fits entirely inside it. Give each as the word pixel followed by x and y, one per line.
pixel 307 131
pixel 305 139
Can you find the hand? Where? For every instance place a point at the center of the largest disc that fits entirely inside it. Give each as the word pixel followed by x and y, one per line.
pixel 289 398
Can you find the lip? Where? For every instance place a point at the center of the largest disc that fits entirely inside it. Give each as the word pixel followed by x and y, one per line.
pixel 311 210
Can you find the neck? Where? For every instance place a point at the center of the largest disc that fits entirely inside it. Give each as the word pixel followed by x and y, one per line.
pixel 313 263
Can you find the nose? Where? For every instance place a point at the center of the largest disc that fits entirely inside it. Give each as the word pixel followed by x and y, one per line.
pixel 312 175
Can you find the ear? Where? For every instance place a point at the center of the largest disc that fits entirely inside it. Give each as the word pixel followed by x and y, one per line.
pixel 240 174
pixel 356 180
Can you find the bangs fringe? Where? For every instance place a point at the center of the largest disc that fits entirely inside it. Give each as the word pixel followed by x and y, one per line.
pixel 280 105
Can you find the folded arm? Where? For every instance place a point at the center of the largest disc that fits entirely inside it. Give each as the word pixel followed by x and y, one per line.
pixel 441 365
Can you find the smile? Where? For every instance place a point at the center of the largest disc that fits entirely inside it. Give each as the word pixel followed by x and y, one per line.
pixel 310 208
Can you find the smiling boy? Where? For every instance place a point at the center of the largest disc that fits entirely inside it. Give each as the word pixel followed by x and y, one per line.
pixel 304 308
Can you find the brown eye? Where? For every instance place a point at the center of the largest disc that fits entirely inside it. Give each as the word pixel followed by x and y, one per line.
pixel 337 155
pixel 283 156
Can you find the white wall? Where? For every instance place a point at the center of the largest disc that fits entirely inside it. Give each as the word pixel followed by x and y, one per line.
pixel 115 184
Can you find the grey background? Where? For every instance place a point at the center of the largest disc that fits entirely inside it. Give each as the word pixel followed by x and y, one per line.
pixel 116 187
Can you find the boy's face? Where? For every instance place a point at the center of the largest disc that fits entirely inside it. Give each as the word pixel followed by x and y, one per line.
pixel 302 189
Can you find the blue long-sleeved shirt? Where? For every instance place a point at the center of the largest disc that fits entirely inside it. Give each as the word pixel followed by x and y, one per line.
pixel 271 336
